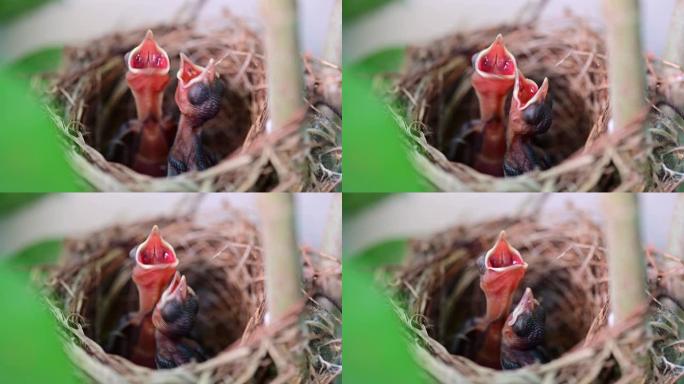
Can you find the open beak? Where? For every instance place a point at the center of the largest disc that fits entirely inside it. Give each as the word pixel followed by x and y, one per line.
pixel 177 290
pixel 148 67
pixel 526 91
pixel 502 270
pixel 199 90
pixel 529 111
pixel 155 265
pixel 527 304
pixel 495 68
pixel 190 73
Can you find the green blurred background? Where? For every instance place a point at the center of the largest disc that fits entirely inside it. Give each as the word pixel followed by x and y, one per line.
pixel 376 349
pixel 32 160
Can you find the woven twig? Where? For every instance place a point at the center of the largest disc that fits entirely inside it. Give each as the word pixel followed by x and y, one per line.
pixel 90 101
pixel 437 290
pixel 435 99
pixel 221 256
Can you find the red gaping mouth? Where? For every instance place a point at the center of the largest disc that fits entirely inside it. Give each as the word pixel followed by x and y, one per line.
pixel 526 91
pixel 177 289
pixel 155 264
pixel 148 57
pixel 189 73
pixel 504 269
pixel 496 61
pixel 503 255
pixel 155 252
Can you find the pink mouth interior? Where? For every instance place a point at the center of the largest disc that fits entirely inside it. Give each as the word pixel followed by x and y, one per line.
pixel 156 253
pixel 526 91
pixel 502 257
pixel 149 57
pixel 189 72
pixel 497 62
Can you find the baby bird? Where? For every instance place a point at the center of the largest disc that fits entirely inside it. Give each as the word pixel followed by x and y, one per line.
pixel 155 265
pixel 198 97
pixel 482 142
pixel 143 143
pixel 501 270
pixel 523 334
pixel 174 318
pixel 530 115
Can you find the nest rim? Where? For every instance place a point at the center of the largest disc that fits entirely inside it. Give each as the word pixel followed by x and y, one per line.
pixel 257 350
pixel 264 161
pixel 620 159
pixel 599 351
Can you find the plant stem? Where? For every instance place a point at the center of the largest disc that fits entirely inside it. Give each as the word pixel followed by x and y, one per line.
pixel 283 61
pixel 676 243
pixel 333 44
pixel 674 52
pixel 283 268
pixel 332 241
pixel 332 247
pixel 625 63
pixel 626 267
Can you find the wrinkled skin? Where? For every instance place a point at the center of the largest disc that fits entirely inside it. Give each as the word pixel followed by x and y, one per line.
pixel 482 143
pixel 143 143
pixel 198 97
pixel 174 318
pixel 523 334
pixel 501 270
pixel 155 265
pixel 530 115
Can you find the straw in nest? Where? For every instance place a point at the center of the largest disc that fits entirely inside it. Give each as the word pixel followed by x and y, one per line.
pixel 435 98
pixel 92 100
pixel 438 289
pixel 222 260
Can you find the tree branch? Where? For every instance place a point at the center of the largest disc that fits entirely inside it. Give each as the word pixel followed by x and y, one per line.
pixel 626 267
pixel 283 268
pixel 283 61
pixel 625 62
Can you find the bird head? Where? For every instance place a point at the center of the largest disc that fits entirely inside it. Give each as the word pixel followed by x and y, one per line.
pixel 501 270
pixel 531 108
pixel 155 264
pixel 177 308
pixel 524 327
pixel 493 77
pixel 148 74
pixel 199 90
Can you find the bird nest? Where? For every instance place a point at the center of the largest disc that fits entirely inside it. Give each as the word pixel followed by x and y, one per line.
pixel 91 289
pixel 435 99
pixel 437 290
pixel 91 101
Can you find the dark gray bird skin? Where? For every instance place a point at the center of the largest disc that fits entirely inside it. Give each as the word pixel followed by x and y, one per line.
pixel 174 319
pixel 523 334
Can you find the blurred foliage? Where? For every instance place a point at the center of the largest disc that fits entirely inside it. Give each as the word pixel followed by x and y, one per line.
pixel 30 347
pixel 40 61
pixel 387 253
pixel 376 349
pixel 356 202
pixel 384 61
pixel 379 162
pixel 10 202
pixel 355 8
pixel 31 156
pixel 40 253
pixel 10 9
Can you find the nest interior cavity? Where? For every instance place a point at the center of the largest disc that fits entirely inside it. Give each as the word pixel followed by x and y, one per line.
pixel 91 289
pixel 435 99
pixel 93 101
pixel 438 290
